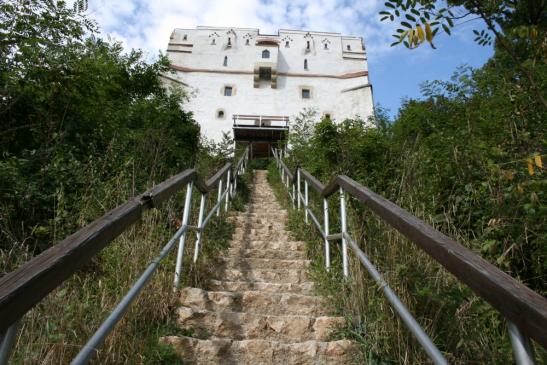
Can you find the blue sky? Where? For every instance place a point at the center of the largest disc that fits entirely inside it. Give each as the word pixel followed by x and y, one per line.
pixel 395 72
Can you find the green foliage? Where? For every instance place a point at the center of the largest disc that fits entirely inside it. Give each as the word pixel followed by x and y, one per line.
pixel 460 159
pixel 77 116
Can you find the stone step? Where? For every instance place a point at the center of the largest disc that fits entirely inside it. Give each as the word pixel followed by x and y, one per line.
pixel 306 288
pixel 256 222
pixel 264 275
pixel 274 244
pixel 240 263
pixel 264 352
pixel 239 326
pixel 277 214
pixel 256 302
pixel 266 254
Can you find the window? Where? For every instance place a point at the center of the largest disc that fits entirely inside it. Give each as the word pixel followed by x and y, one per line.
pixel 305 64
pixel 214 41
pixel 326 46
pixel 247 42
pixel 225 63
pixel 220 114
pixel 265 73
pixel 227 91
pixel 308 45
pixel 286 44
pixel 306 93
pixel 185 37
pixel 229 41
pixel 327 116
pixel 265 54
pixel 348 47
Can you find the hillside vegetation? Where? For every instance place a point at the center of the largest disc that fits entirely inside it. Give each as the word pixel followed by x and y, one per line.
pixel 468 158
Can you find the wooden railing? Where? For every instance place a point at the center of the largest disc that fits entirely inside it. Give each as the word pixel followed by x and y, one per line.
pixel 25 287
pixel 525 310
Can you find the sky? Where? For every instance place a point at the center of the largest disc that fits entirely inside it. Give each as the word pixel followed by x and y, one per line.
pixel 395 73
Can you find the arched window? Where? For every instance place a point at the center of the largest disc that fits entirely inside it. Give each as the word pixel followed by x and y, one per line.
pixel 326 46
pixel 247 42
pixel 229 41
pixel 185 37
pixel 348 47
pixel 220 114
pixel 265 54
pixel 225 63
pixel 214 41
pixel 305 64
pixel 308 45
pixel 287 44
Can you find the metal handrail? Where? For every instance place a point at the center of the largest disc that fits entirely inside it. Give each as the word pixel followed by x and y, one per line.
pixel 525 310
pixel 23 288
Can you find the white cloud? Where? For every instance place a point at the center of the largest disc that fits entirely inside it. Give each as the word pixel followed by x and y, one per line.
pixel 148 24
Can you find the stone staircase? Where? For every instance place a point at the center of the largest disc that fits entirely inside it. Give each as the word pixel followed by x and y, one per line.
pixel 261 308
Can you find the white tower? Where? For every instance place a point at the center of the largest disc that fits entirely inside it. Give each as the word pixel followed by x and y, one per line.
pixel 238 74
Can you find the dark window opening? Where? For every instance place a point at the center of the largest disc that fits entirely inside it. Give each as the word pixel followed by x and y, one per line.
pixel 265 54
pixel 214 41
pixel 348 47
pixel 265 73
pixel 287 44
pixel 185 37
pixel 305 64
pixel 308 45
pixel 327 116
pixel 326 46
pixel 227 91
pixel 306 94
pixel 247 42
pixel 225 63
pixel 220 114
pixel 229 41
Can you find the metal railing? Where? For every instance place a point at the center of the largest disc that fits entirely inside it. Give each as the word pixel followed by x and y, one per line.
pixel 524 309
pixel 25 287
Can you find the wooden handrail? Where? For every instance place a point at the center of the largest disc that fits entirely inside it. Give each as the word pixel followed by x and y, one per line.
pixel 518 303
pixel 23 288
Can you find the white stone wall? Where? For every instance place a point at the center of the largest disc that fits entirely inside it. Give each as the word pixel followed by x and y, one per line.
pixel 337 76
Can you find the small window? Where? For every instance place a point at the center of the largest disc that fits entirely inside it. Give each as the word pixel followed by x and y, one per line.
pixel 185 37
pixel 229 41
pixel 305 64
pixel 247 42
pixel 306 94
pixel 220 114
pixel 348 47
pixel 308 45
pixel 214 41
pixel 327 116
pixel 326 46
pixel 265 54
pixel 227 91
pixel 225 63
pixel 286 44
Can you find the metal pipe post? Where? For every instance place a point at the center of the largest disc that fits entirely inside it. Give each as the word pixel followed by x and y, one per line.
pixel 344 231
pixel 7 343
pixel 219 196
pixel 326 229
pixel 200 227
pixel 523 351
pixel 293 195
pixel 228 187
pixel 182 239
pixel 306 200
pixel 298 187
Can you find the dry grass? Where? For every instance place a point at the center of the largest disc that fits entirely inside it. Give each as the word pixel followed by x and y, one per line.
pixel 55 330
pixel 465 328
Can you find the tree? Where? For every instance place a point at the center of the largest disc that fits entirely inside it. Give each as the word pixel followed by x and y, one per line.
pixel 518 27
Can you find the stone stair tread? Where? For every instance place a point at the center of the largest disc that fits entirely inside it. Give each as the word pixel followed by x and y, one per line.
pixel 241 325
pixel 269 245
pixel 266 253
pixel 256 351
pixel 264 263
pixel 264 275
pixel 307 287
pixel 257 302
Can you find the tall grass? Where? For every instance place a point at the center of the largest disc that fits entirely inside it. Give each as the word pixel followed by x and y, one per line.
pixel 56 329
pixel 464 327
